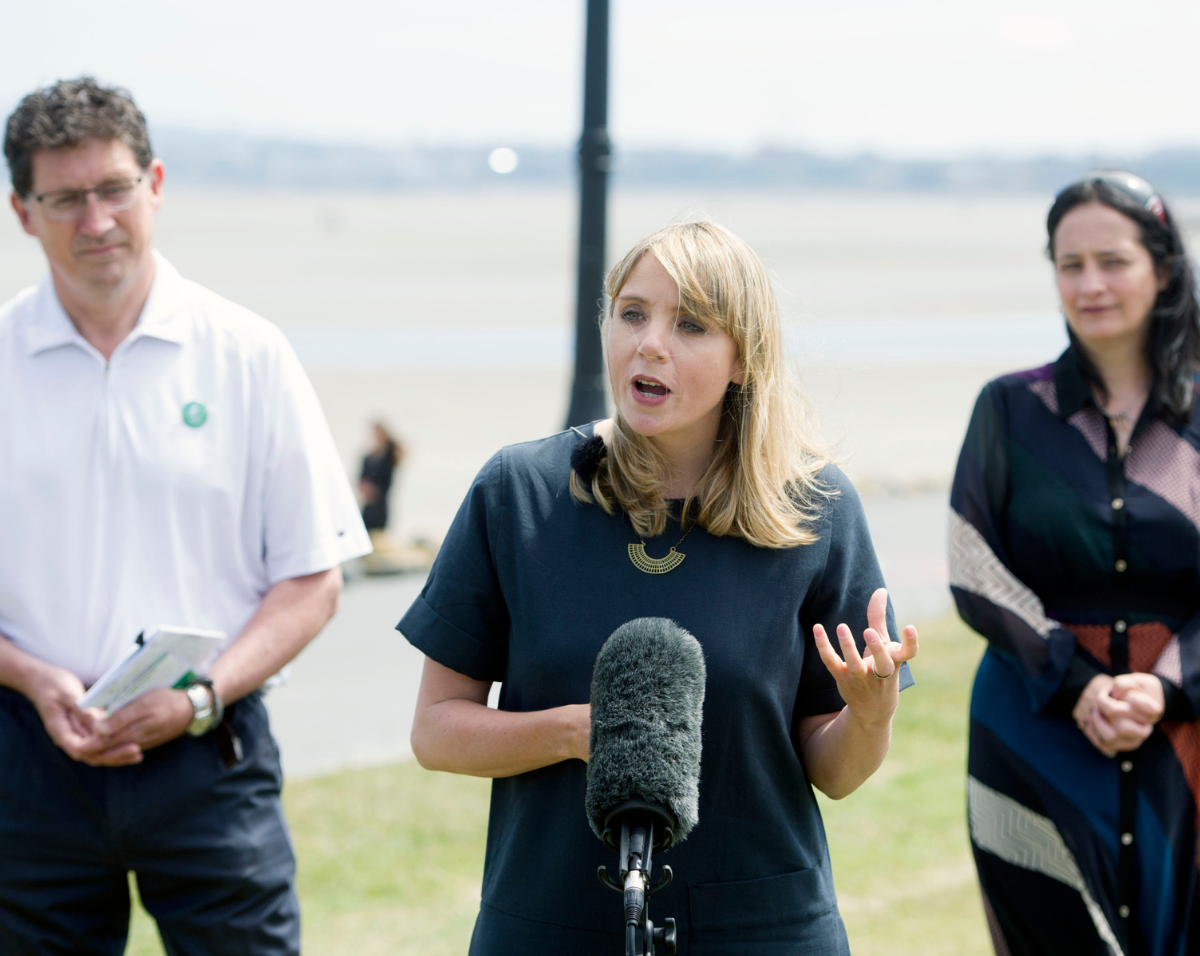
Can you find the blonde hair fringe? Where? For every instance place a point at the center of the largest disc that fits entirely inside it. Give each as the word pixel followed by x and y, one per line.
pixel 762 483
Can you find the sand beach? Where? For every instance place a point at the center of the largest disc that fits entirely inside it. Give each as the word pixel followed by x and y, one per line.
pixel 450 316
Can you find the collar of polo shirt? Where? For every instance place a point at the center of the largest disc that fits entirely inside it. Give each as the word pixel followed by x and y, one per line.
pixel 163 316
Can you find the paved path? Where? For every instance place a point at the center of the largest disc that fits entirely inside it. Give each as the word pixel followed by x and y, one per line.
pixel 350 698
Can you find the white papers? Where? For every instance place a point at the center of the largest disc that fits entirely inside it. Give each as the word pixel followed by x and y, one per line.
pixel 167 657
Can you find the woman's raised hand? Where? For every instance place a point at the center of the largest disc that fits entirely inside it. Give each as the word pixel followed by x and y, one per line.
pixel 866 684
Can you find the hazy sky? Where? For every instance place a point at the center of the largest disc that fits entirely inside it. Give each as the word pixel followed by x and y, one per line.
pixel 906 77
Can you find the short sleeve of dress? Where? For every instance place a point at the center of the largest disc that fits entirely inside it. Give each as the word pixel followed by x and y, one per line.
pixel 460 619
pixel 840 595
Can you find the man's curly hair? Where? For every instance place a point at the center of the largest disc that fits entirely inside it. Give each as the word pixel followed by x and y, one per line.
pixel 66 114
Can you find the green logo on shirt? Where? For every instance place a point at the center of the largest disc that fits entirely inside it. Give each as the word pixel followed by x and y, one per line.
pixel 194 414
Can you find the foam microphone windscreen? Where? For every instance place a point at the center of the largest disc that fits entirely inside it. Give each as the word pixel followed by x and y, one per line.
pixel 647 705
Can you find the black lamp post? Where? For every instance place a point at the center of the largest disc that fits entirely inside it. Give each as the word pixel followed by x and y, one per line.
pixel 587 389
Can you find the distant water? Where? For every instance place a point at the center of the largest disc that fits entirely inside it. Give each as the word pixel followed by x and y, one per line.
pixel 1014 340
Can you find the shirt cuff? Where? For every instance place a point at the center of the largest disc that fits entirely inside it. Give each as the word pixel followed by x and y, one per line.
pixel 439 640
pixel 1079 674
pixel 298 564
pixel 1177 706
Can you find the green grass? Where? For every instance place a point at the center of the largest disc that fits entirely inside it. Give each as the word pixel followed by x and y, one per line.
pixel 901 857
pixel 390 859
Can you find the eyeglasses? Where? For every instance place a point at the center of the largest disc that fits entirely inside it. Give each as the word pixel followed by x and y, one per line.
pixel 1132 186
pixel 63 205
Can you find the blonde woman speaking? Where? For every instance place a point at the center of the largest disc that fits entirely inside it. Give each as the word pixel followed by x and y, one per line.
pixel 742 533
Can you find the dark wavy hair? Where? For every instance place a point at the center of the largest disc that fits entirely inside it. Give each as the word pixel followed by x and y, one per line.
pixel 1173 345
pixel 66 114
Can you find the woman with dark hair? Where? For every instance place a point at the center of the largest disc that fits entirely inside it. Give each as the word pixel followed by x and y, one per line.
pixel 375 478
pixel 1075 550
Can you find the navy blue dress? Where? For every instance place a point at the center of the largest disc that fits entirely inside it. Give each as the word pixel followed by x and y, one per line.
pixel 527 587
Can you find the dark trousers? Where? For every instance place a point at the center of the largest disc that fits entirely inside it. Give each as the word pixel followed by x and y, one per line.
pixel 209 845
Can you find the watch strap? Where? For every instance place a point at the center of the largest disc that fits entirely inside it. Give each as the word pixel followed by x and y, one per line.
pixel 217 703
pixel 207 709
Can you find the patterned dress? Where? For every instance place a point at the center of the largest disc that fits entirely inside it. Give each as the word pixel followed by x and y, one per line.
pixel 1073 561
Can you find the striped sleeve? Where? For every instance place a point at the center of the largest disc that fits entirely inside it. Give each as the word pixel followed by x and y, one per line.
pixel 991 598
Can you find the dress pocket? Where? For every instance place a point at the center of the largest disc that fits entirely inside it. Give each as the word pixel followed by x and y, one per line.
pixel 788 914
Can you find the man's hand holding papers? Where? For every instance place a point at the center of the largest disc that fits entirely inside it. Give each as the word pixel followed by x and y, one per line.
pixel 144 709
pixel 55 692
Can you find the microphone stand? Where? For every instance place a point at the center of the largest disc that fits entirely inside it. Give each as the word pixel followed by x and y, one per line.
pixel 645 827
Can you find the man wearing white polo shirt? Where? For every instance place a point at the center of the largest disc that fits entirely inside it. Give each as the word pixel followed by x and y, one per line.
pixel 163 460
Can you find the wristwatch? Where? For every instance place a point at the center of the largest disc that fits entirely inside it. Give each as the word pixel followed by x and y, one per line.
pixel 207 709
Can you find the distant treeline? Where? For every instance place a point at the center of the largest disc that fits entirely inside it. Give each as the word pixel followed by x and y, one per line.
pixel 228 158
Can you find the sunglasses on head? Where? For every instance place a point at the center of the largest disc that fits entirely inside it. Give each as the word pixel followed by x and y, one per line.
pixel 1132 186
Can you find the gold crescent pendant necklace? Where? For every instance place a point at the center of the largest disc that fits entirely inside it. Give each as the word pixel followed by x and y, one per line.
pixel 643 562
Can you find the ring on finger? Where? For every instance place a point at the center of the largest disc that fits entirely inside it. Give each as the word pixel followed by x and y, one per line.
pixel 882 676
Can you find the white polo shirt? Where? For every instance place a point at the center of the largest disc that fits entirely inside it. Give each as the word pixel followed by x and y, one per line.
pixel 173 484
